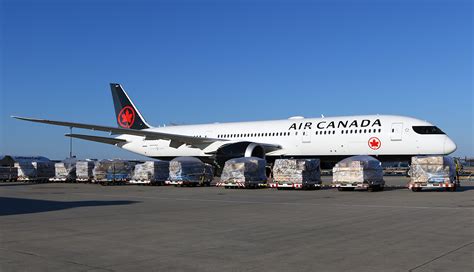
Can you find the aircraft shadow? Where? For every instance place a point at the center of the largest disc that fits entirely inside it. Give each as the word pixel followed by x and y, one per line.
pixel 14 206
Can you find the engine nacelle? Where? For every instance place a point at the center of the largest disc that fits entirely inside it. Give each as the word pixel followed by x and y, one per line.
pixel 237 150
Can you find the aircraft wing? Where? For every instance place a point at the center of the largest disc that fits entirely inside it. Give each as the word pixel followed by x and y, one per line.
pixel 176 140
pixel 104 140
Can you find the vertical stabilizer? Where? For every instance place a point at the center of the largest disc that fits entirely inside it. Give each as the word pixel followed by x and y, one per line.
pixel 127 115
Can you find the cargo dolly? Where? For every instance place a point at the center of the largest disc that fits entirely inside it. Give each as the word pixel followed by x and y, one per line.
pixel 351 186
pixel 290 185
pixel 243 185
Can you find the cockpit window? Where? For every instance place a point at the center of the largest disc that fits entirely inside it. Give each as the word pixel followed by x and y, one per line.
pixel 427 130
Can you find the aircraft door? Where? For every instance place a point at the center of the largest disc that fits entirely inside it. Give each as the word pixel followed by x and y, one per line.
pixel 306 137
pixel 396 133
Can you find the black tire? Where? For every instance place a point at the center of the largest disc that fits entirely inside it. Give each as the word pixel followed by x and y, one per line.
pixel 374 188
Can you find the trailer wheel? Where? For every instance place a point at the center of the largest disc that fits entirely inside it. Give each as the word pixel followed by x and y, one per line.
pixel 414 189
pixel 374 188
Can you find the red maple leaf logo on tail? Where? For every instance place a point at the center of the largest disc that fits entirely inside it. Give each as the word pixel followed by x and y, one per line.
pixel 126 117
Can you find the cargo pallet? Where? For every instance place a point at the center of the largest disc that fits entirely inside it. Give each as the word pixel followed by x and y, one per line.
pixel 448 186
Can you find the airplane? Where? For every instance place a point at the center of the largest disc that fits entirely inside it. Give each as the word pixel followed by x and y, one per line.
pixel 386 137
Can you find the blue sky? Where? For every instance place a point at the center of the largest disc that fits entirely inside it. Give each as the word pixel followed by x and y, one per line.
pixel 217 61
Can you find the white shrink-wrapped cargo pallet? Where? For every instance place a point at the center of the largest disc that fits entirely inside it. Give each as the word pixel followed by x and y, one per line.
pixel 248 172
pixel 296 173
pixel 84 170
pixel 65 171
pixel 35 170
pixel 358 171
pixel 151 172
pixel 432 169
pixel 112 171
pixel 186 170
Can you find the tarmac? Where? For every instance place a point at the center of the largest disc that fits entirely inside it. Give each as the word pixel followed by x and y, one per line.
pixel 86 227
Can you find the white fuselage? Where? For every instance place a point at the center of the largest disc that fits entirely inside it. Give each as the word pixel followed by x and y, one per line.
pixel 327 136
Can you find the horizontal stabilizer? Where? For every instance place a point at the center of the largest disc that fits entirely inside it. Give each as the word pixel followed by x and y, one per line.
pixel 105 140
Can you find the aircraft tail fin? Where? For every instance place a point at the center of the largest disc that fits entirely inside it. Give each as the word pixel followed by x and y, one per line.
pixel 126 113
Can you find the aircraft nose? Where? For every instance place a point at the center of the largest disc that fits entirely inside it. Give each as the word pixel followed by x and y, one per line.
pixel 449 146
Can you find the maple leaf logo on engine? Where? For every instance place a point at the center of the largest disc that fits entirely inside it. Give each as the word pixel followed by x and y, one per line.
pixel 126 117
